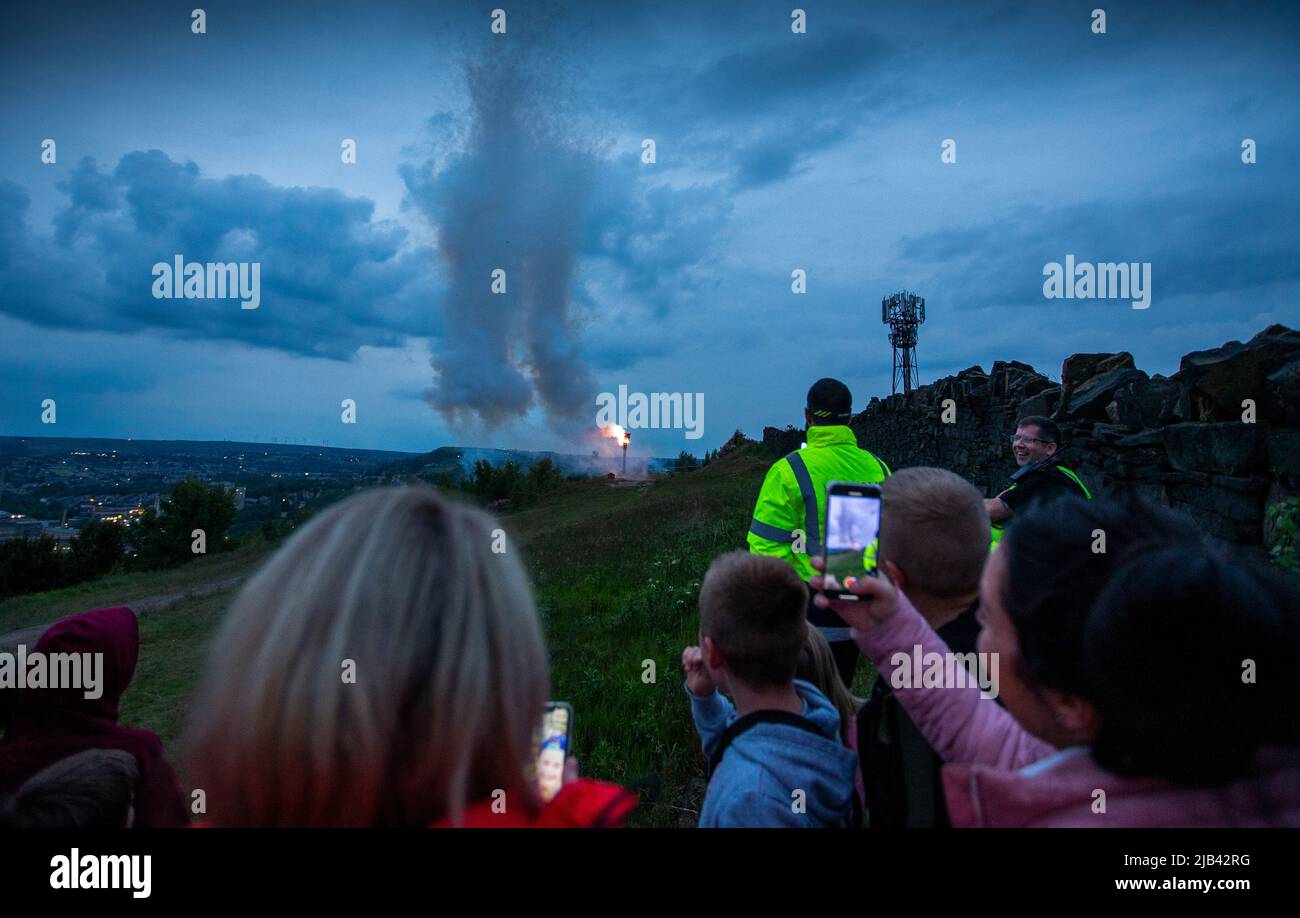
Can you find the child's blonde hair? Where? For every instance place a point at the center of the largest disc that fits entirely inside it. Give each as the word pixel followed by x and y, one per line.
pixel 385 667
pixel 817 665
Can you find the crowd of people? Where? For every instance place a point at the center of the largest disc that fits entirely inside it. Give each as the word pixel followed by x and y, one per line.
pixel 387 667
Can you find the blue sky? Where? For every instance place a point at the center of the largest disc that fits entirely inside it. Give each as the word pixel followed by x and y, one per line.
pixel 775 151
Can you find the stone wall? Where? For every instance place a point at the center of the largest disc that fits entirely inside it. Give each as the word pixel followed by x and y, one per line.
pixel 1219 440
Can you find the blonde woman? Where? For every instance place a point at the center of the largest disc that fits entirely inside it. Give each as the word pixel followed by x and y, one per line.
pixel 385 668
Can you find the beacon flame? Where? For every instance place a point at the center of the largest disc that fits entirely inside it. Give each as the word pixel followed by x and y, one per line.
pixel 615 432
pixel 620 436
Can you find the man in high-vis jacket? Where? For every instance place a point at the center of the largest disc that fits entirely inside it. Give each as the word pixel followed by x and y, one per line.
pixel 1035 445
pixel 790 514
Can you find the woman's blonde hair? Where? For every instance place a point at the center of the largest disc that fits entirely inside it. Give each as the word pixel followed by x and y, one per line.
pixel 817 665
pixel 385 667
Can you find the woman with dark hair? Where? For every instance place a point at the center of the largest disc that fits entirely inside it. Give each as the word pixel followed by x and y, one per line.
pixel 1147 677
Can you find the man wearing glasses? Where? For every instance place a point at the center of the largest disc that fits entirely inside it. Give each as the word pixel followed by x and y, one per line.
pixel 1035 445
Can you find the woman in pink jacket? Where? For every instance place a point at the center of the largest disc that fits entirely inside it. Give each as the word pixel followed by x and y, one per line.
pixel 1148 678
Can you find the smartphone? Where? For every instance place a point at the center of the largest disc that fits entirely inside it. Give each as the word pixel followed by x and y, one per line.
pixel 852 536
pixel 554 740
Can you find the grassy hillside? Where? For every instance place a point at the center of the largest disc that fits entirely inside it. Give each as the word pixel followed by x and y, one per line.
pixel 616 567
pixel 124 589
pixel 173 644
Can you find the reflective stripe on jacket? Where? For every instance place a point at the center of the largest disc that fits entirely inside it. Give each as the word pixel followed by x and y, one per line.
pixel 793 496
pixel 1000 528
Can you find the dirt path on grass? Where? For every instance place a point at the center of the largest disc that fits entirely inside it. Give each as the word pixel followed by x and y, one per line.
pixel 145 606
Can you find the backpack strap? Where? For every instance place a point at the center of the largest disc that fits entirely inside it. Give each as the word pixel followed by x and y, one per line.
pixel 753 719
pixel 918 772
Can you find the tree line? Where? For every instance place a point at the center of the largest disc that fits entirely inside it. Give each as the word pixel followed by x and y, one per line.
pixel 156 541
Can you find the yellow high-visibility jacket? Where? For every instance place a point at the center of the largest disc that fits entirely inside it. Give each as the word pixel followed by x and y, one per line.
pixel 793 496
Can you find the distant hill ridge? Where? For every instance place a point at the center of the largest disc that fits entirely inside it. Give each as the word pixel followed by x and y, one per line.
pixel 37 446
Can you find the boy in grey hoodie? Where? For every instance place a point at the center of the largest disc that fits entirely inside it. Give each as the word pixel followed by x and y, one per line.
pixel 788 768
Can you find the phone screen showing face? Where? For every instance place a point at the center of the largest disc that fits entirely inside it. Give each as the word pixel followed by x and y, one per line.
pixel 852 534
pixel 553 740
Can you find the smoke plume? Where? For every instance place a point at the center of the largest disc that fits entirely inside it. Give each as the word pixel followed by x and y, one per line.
pixel 512 199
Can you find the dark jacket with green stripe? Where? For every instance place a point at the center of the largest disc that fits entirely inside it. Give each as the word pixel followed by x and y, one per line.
pixel 1035 482
pixel 792 500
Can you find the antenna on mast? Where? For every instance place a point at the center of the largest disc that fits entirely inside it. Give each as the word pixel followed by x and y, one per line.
pixel 903 313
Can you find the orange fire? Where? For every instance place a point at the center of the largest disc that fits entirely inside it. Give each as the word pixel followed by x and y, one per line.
pixel 616 432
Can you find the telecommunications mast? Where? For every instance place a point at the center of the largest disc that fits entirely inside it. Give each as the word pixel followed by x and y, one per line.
pixel 903 313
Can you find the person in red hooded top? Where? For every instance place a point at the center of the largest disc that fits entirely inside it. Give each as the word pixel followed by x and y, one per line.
pixel 50 724
pixel 384 668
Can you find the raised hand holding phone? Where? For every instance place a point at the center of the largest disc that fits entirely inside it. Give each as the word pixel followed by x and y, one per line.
pixel 852 537
pixel 875 599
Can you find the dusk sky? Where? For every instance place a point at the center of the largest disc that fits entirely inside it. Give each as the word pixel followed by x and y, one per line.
pixel 775 151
